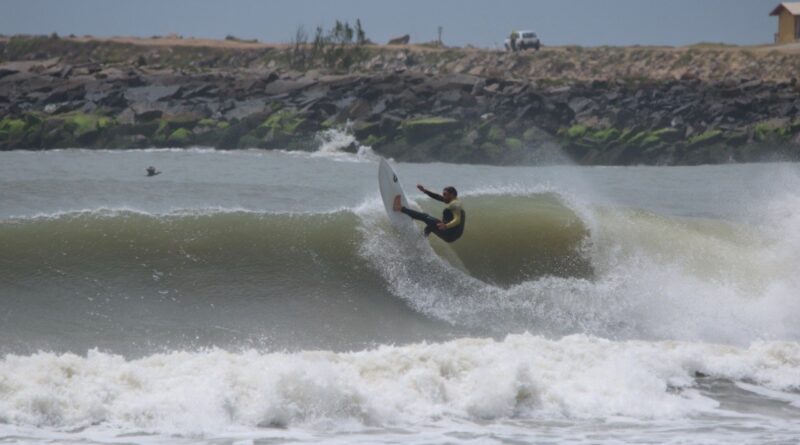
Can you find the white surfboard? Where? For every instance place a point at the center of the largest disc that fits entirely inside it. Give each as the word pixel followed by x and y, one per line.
pixel 390 187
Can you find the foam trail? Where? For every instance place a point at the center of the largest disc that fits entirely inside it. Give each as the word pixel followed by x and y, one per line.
pixel 577 377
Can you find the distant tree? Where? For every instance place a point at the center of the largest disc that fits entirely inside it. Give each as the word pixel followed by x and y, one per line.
pixel 361 37
pixel 339 47
pixel 297 53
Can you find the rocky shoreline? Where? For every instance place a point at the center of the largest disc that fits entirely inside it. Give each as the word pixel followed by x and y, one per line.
pixel 412 105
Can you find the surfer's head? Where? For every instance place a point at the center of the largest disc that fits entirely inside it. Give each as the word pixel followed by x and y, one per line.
pixel 449 193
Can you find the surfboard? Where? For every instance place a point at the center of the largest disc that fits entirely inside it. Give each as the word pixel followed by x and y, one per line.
pixel 390 187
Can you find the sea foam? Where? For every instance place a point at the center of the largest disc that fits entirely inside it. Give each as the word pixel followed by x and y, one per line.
pixel 522 376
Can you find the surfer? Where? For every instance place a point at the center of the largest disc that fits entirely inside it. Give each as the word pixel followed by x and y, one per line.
pixel 151 171
pixel 451 226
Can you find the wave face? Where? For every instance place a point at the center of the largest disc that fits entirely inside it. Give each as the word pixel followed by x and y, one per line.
pixel 512 240
pixel 529 262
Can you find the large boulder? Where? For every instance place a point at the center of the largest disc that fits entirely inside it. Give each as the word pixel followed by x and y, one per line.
pixel 402 40
pixel 419 129
pixel 706 139
pixel 180 138
pixel 151 93
pixel 66 93
pixel 281 87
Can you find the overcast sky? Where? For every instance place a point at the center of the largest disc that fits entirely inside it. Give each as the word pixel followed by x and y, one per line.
pixel 477 22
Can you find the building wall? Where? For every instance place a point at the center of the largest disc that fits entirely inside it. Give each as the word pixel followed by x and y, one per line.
pixel 786 27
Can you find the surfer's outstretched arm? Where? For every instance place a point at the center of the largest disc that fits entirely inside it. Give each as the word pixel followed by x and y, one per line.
pixel 433 195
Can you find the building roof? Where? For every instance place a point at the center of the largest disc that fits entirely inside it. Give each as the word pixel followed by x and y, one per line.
pixel 792 7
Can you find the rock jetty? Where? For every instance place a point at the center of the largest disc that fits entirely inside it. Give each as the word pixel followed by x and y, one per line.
pixel 411 104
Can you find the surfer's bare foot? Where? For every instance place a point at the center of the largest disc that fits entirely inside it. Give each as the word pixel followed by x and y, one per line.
pixel 397 204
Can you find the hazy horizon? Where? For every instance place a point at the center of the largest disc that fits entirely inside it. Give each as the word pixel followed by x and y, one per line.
pixel 478 23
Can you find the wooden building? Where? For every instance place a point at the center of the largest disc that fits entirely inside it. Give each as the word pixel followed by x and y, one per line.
pixel 788 22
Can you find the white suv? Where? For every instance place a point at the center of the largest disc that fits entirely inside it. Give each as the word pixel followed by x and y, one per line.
pixel 523 41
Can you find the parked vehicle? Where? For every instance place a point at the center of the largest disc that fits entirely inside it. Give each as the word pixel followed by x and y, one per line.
pixel 522 40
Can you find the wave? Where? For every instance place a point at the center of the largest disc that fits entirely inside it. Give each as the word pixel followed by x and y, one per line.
pixel 534 262
pixel 337 144
pixel 543 230
pixel 624 273
pixel 576 377
pixel 91 238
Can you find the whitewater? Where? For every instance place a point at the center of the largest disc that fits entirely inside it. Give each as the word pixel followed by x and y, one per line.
pixel 262 297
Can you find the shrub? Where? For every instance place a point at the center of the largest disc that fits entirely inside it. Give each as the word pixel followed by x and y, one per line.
pixel 339 47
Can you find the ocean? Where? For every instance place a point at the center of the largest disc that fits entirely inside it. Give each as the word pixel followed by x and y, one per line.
pixel 262 297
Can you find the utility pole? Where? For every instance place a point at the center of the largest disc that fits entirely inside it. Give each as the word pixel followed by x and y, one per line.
pixel 440 35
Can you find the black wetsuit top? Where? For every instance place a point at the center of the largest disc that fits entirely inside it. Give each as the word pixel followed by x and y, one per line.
pixel 453 216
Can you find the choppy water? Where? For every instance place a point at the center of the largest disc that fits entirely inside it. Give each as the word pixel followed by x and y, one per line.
pixel 262 297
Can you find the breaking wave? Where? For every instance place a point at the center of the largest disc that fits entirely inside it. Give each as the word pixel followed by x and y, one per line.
pixel 528 262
